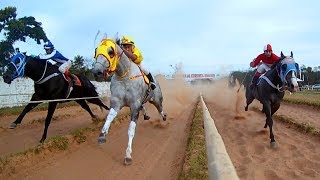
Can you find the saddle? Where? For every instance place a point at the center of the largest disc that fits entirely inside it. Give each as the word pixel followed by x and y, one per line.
pixel 68 79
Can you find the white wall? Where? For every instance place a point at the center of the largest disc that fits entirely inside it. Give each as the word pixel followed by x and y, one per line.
pixel 19 92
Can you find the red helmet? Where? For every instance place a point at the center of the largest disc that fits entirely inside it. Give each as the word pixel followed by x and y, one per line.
pixel 267 48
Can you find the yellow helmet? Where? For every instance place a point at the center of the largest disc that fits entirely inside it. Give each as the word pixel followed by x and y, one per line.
pixel 127 40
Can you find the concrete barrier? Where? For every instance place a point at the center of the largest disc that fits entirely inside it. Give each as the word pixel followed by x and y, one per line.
pixel 219 162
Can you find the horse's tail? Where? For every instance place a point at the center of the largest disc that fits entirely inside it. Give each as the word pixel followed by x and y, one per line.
pixel 89 90
pixel 88 87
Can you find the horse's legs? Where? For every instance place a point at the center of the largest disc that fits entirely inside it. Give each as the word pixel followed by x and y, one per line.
pixel 274 108
pixel 85 106
pixel 159 107
pixel 51 109
pixel 112 114
pixel 269 121
pixel 249 101
pixel 144 111
pixel 28 108
pixel 131 131
pixel 98 102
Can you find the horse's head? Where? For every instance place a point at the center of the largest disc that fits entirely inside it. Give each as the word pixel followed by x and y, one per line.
pixel 106 56
pixel 15 68
pixel 288 70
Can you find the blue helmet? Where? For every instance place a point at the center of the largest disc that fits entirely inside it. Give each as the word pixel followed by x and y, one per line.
pixel 48 45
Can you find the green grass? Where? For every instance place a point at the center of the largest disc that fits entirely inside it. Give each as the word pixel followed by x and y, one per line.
pixel 310 98
pixel 301 126
pixel 196 165
pixel 80 135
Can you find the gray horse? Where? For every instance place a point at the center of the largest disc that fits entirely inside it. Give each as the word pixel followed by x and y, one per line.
pixel 128 88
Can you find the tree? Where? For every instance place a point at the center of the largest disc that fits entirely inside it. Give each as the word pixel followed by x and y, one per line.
pixel 83 66
pixel 17 29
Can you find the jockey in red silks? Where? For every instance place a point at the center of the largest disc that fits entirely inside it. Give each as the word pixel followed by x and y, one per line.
pixel 55 55
pixel 267 58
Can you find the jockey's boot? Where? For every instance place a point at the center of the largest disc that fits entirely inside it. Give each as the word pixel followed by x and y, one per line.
pixel 71 84
pixel 152 84
pixel 254 82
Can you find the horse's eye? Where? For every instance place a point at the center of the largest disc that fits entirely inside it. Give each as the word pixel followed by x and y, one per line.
pixel 110 52
pixel 17 61
pixel 284 67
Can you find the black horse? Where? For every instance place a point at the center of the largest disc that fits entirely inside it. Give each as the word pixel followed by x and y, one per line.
pixel 271 87
pixel 50 84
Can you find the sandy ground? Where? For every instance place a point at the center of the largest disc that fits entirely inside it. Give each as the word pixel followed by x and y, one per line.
pixel 247 142
pixel 158 147
pixel 158 151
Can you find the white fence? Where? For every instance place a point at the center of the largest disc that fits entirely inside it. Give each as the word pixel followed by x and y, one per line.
pixel 219 162
pixel 19 92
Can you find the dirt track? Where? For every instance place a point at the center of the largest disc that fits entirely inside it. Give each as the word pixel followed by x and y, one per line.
pixel 247 142
pixel 158 148
pixel 158 151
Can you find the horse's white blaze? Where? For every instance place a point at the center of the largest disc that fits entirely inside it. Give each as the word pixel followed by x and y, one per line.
pixel 101 64
pixel 131 131
pixel 112 114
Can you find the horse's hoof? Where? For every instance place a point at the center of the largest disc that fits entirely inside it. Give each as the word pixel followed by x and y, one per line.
pixel 273 145
pixel 146 117
pixel 164 117
pixel 102 138
pixel 127 161
pixel 13 125
pixel 246 108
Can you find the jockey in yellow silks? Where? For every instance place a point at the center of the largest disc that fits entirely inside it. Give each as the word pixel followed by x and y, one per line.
pixel 132 52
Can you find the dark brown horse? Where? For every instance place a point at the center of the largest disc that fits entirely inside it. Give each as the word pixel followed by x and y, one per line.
pixel 271 87
pixel 50 84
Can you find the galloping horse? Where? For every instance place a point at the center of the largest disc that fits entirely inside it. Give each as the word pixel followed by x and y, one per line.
pixel 128 88
pixel 271 87
pixel 49 84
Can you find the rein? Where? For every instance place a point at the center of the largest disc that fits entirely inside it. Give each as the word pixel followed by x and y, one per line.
pixel 126 72
pixel 42 79
pixel 279 88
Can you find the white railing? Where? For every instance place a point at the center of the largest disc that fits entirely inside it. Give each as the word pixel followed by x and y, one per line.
pixel 219 162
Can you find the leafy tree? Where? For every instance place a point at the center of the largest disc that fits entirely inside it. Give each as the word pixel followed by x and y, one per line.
pixel 83 66
pixel 17 29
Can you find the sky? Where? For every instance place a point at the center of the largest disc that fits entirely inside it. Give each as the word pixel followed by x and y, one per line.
pixel 205 36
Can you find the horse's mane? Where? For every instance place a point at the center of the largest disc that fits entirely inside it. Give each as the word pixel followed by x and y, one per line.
pixel 277 62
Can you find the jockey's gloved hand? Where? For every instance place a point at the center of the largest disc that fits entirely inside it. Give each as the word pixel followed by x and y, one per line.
pixel 251 64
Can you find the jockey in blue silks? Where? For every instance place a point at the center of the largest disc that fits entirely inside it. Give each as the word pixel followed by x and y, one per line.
pixel 54 55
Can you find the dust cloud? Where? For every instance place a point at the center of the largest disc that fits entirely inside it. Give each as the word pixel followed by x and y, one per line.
pixel 179 93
